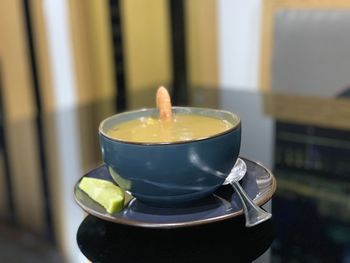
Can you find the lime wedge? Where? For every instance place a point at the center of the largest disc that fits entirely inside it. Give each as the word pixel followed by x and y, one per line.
pixel 107 194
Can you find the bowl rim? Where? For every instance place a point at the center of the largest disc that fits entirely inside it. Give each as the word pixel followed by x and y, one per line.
pixel 234 127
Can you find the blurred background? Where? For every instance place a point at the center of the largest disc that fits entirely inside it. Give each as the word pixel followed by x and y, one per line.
pixel 102 56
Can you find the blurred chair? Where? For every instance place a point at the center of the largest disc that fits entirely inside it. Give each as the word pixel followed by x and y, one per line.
pixel 305 46
pixel 305 63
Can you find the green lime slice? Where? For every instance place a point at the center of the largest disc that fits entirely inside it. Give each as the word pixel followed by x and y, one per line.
pixel 107 194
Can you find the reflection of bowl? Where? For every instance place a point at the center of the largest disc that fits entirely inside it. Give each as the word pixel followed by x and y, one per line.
pixel 171 173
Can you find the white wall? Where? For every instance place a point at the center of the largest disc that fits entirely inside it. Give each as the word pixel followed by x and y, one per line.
pixel 239 42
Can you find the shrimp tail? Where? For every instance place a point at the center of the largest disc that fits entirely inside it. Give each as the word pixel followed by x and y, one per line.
pixel 163 102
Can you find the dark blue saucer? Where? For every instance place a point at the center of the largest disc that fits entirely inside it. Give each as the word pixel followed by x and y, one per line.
pixel 224 203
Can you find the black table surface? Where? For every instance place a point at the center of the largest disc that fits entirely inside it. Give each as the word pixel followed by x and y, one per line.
pixel 304 141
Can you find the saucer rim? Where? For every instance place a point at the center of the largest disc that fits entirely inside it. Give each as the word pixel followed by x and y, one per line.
pixel 260 200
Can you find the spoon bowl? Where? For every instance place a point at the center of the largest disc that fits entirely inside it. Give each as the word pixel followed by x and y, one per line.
pixel 237 172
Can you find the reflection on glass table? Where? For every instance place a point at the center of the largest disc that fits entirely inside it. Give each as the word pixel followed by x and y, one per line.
pixel 224 241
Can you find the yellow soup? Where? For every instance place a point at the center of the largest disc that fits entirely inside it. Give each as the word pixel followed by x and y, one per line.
pixel 180 128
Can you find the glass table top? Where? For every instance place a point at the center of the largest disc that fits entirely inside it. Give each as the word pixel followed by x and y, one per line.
pixel 304 141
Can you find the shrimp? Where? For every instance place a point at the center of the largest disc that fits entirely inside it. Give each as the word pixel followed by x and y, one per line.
pixel 163 102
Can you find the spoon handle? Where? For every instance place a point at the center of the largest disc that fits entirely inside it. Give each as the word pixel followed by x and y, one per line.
pixel 253 214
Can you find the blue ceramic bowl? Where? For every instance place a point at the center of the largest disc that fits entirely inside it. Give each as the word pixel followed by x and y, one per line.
pixel 171 173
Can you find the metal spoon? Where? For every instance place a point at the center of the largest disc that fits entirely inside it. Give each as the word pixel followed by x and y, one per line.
pixel 253 214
